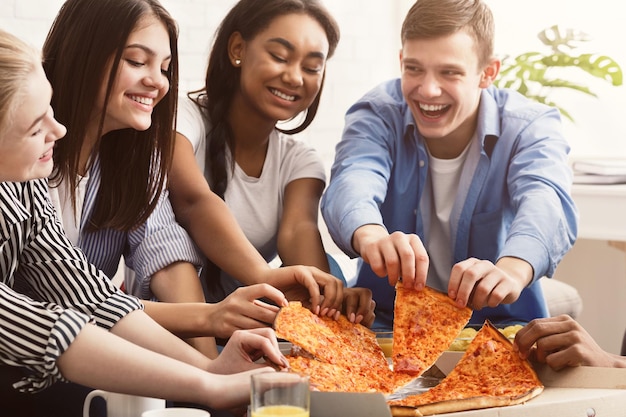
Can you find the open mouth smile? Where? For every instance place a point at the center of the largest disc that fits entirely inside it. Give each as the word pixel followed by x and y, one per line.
pixel 433 111
pixel 282 95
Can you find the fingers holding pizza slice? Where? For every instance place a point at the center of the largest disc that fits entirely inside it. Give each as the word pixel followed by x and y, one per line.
pixel 490 374
pixel 425 323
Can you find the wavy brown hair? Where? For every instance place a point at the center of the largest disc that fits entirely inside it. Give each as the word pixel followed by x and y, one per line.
pixel 85 36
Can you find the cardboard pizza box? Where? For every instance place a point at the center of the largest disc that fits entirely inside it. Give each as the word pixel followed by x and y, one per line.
pixel 577 392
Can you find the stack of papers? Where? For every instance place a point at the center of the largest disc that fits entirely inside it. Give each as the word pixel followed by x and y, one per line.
pixel 599 171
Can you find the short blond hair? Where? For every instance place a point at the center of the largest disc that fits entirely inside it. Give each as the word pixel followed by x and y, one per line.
pixel 428 19
pixel 18 60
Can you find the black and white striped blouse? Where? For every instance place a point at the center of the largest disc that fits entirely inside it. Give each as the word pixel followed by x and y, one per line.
pixel 48 290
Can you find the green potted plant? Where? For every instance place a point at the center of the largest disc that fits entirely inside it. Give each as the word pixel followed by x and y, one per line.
pixel 536 74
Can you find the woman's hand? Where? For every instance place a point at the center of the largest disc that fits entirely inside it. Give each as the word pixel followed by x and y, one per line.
pixel 242 309
pixel 244 348
pixel 358 305
pixel 319 291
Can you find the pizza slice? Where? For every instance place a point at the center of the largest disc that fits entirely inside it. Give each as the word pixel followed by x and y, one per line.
pixel 333 341
pixel 490 374
pixel 337 354
pixel 425 323
pixel 330 377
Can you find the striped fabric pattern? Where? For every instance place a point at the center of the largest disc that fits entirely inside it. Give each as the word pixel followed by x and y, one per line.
pixel 48 289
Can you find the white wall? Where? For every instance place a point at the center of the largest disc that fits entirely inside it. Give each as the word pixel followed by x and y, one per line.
pixel 366 55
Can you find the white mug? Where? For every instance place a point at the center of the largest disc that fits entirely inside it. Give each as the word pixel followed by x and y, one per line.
pixel 176 412
pixel 122 405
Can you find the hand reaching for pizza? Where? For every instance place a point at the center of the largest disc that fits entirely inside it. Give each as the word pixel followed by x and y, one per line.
pixel 397 255
pixel 244 348
pixel 243 310
pixel 560 342
pixel 358 306
pixel 321 292
pixel 479 283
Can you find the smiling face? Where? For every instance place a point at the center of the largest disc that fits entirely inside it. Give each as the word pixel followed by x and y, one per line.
pixel 442 82
pixel 26 146
pixel 141 80
pixel 282 67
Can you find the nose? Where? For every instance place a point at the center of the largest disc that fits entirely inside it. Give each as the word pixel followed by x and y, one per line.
pixel 429 86
pixel 56 130
pixel 156 79
pixel 292 75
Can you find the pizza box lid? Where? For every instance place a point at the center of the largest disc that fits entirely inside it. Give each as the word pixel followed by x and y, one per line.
pixel 348 404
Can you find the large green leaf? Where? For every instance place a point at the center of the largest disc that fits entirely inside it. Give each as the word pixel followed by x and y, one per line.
pixel 536 74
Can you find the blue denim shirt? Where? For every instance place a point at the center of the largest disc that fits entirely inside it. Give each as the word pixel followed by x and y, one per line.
pixel 514 197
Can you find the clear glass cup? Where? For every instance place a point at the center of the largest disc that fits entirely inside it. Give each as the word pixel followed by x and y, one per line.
pixel 283 394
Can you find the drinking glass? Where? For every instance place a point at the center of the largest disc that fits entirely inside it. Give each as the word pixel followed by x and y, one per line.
pixel 283 394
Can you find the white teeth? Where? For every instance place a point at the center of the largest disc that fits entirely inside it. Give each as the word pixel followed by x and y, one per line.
pixel 143 100
pixel 432 107
pixel 283 96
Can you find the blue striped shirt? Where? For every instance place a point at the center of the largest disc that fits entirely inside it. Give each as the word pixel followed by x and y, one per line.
pixel 157 243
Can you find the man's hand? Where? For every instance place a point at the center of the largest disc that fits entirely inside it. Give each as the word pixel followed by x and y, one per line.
pixel 560 342
pixel 478 283
pixel 397 255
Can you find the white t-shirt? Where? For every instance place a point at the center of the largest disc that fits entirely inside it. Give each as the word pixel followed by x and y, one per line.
pixel 445 176
pixel 62 202
pixel 256 203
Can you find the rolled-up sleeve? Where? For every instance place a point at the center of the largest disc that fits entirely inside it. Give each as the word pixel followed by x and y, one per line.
pixel 157 243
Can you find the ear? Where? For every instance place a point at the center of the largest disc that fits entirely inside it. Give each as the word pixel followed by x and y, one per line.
pixel 236 47
pixel 490 72
pixel 400 55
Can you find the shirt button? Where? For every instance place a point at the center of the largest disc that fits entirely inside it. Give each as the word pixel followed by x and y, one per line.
pixel 422 163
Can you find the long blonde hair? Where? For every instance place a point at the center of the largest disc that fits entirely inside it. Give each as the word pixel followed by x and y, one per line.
pixel 17 61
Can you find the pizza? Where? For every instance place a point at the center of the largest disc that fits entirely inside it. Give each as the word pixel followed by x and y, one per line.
pixel 490 374
pixel 342 356
pixel 337 354
pixel 425 323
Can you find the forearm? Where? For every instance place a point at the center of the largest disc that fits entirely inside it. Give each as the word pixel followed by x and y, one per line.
pixel 303 246
pixel 207 220
pixel 179 283
pixel 183 319
pixel 125 367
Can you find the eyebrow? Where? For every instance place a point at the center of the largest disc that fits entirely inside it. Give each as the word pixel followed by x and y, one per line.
pixel 289 45
pixel 146 50
pixel 37 120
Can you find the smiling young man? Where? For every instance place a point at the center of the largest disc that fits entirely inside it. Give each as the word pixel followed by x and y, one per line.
pixel 442 179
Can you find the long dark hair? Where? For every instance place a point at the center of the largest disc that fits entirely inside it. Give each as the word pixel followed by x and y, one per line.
pixel 85 36
pixel 248 17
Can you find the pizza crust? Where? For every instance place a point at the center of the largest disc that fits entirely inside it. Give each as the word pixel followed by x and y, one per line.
pixel 464 404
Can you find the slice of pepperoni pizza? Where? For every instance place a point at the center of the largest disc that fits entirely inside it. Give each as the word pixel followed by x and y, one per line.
pixel 425 323
pixel 490 374
pixel 350 348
